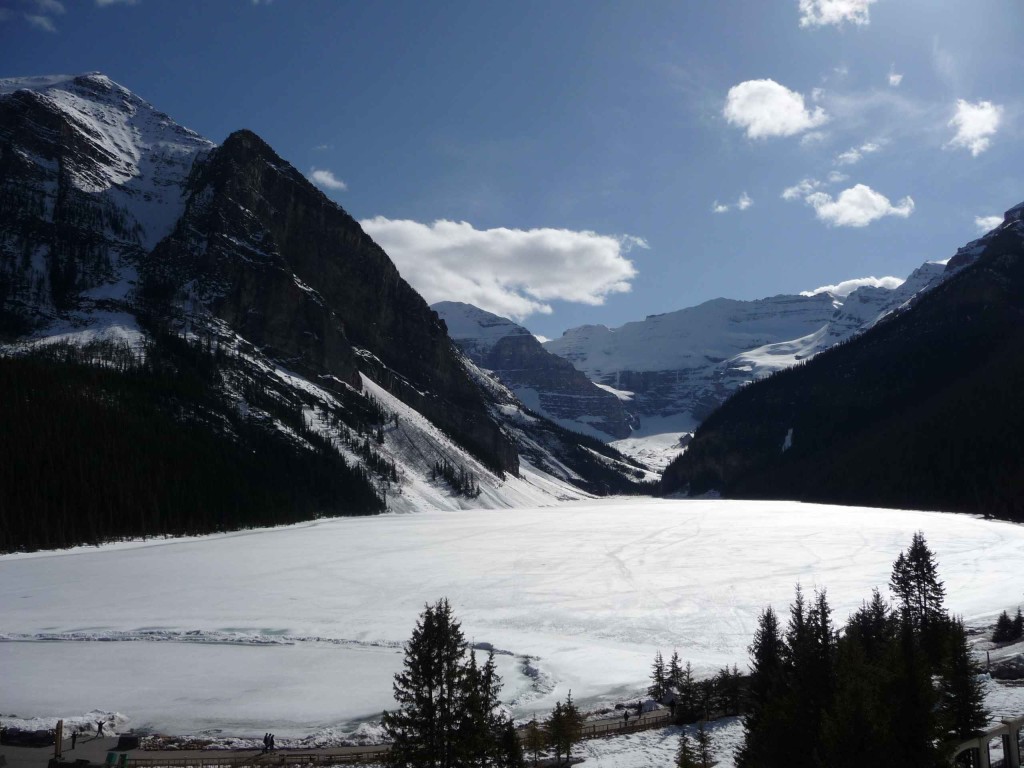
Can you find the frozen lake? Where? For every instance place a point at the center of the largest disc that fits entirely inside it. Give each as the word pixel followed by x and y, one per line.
pixel 300 628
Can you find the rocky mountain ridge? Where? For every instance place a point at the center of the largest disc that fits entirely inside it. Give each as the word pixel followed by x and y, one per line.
pixel 546 383
pixel 680 366
pixel 920 411
pixel 218 288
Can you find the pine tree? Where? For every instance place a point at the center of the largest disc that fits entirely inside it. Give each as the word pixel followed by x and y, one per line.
pixel 962 695
pixel 1018 625
pixel 764 742
pixel 448 705
pixel 510 748
pixel 656 690
pixel 675 672
pixel 920 594
pixel 564 727
pixel 705 759
pixel 688 698
pixel 534 740
pixel 1003 632
pixel 686 755
pixel 431 692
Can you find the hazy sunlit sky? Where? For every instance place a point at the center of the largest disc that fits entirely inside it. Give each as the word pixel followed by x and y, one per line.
pixel 571 161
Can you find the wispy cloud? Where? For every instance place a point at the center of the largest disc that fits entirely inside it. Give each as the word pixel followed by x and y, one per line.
pixel 511 272
pixel 742 203
pixel 894 78
pixel 764 108
pixel 43 13
pixel 857 206
pixel 975 125
pixel 987 223
pixel 39 21
pixel 326 179
pixel 854 154
pixel 847 287
pixel 818 13
pixel 104 3
pixel 322 147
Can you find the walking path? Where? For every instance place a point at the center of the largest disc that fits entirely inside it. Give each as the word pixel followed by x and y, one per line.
pixel 95 750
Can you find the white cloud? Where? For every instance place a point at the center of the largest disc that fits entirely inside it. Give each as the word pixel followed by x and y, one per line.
pixel 817 13
pixel 987 223
pixel 847 287
pixel 855 154
pixel 802 188
pixel 765 108
pixel 975 125
pixel 744 202
pixel 541 339
pixel 53 7
pixel 103 3
pixel 835 177
pixel 812 137
pixel 322 147
pixel 857 206
pixel 44 23
pixel 894 78
pixel 326 179
pixel 511 272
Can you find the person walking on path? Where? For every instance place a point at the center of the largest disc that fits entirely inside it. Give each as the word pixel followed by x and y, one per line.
pixel 273 746
pixel 74 738
pixel 266 742
pixel 99 728
pixel 625 717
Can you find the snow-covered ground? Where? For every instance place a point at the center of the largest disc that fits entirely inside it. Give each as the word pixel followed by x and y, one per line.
pixel 300 628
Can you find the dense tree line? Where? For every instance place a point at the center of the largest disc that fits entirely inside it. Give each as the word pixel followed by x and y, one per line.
pixel 1008 630
pixel 692 699
pixel 922 411
pixel 102 442
pixel 459 479
pixel 895 687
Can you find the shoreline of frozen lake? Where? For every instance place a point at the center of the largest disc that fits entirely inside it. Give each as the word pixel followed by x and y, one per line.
pixel 300 627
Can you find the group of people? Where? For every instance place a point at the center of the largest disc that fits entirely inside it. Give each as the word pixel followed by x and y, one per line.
pixel 268 742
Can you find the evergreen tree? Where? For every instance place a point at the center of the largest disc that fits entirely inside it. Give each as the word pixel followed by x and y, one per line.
pixel 1003 632
pixel 705 759
pixel 764 742
pixel 564 728
pixel 686 755
pixel 675 672
pixel 656 690
pixel 962 695
pixel 534 739
pixel 920 595
pixel 687 697
pixel 510 748
pixel 448 705
pixel 431 693
pixel 1018 625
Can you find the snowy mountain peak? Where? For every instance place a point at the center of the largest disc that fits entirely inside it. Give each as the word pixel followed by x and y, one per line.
pixel 470 325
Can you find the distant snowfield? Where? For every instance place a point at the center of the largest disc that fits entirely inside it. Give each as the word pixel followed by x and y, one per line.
pixel 300 628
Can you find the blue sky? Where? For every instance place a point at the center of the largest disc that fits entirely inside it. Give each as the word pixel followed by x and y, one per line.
pixel 579 161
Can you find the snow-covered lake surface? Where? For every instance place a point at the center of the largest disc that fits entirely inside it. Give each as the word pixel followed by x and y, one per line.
pixel 300 628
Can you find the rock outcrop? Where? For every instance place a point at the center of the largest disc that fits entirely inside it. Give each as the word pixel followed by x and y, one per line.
pixel 544 382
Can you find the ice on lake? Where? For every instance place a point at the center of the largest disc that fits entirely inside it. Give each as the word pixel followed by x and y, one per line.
pixel 301 627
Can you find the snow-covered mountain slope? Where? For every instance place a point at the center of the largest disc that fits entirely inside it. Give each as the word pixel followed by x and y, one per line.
pixel 543 381
pixel 921 409
pixel 678 367
pixel 95 179
pixel 225 296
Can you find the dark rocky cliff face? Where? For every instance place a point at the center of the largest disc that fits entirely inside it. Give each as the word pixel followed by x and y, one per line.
pixel 922 411
pixel 292 272
pixel 544 381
